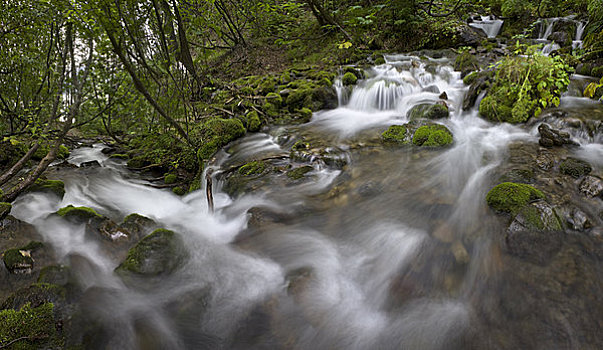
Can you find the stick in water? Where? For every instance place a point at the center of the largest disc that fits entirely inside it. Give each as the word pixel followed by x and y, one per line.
pixel 210 197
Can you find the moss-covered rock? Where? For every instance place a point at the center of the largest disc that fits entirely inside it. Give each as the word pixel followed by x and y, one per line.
pixel 574 167
pixel 396 134
pixel 119 156
pixel 300 172
pixel 538 216
pixel 254 123
pixel 5 209
pixel 138 225
pixel 509 197
pixel 597 72
pixel 18 261
pixel 275 99
pixel 179 191
pixel 216 133
pixel 270 109
pixel 466 63
pixel 169 179
pixel 428 111
pixel 305 114
pixel 78 214
pixel 379 60
pixel 28 328
pixel 252 168
pixel 159 253
pixel 349 78
pixel 56 187
pixel 432 135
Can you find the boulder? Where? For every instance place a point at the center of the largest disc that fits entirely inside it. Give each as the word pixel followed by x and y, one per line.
pixel 550 137
pixel 432 135
pixel 510 197
pixel 428 111
pixel 574 167
pixel 591 186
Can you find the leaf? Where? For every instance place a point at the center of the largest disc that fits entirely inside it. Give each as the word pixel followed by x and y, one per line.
pixel 345 45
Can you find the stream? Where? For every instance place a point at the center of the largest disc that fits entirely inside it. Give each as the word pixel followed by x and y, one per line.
pixel 374 247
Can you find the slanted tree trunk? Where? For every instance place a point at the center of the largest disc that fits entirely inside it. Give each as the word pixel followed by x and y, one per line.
pixel 324 17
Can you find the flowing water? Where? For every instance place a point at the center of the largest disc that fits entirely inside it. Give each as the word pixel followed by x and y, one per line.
pixel 489 24
pixel 394 250
pixel 548 26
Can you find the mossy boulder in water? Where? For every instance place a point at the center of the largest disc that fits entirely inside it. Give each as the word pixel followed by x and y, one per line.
pixel 428 111
pixel 509 197
pixel 137 225
pixel 349 78
pixel 78 214
pixel 396 134
pixel 299 173
pixel 5 209
pixel 169 179
pixel 50 186
pixel 575 167
pixel 432 135
pixel 216 133
pixel 160 252
pixel 252 168
pixel 254 122
pixel 466 63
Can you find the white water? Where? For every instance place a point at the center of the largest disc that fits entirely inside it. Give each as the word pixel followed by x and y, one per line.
pixel 489 24
pixel 354 252
pixel 547 27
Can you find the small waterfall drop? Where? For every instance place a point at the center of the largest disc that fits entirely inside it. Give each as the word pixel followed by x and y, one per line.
pixel 489 24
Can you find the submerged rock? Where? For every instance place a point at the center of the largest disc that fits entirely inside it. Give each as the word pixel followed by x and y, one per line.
pixel 158 253
pixel 300 172
pixel 396 134
pixel 591 186
pixel 535 233
pixel 574 167
pixel 550 137
pixel 19 260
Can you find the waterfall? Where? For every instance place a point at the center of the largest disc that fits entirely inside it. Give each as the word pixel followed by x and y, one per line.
pixel 489 24
pixel 577 42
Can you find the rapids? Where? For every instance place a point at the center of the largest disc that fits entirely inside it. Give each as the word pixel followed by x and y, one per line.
pixel 394 250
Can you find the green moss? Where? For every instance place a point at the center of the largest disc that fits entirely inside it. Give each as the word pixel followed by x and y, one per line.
pixel 395 134
pixel 509 197
pixel 306 114
pixel 135 217
pixel 17 260
pixel 495 110
pixel 267 85
pixel 216 133
pixel 300 172
pixel 379 60
pixel 470 78
pixel 535 220
pixel 119 156
pixel 428 111
pixel 349 78
pixel 78 213
pixel 270 109
pixel 275 99
pixel 179 191
pixel 252 168
pixel 299 98
pixel 5 209
pixel 138 162
pixel 597 72
pixel 30 328
pixel 170 179
pixel 575 167
pixel 253 121
pixel 62 152
pixel 55 274
pixel 466 62
pixel 50 186
pixel 160 252
pixel 432 135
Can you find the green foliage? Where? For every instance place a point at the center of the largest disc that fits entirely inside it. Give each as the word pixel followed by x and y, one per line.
pixel 30 328
pixel 432 135
pixel 509 197
pixel 395 134
pixel 524 86
pixel 594 90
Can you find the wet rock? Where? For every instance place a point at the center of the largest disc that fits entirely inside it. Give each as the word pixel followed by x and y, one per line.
pixel 260 216
pixel 509 197
pixel 432 135
pixel 48 186
pixel 460 253
pixel 370 189
pixel 138 226
pixel 159 253
pixel 396 134
pixel 535 233
pixel 433 89
pixel 545 160
pixel 109 150
pixel 443 96
pixel 428 111
pixel 78 214
pixel 466 63
pixel 469 36
pixel 5 209
pixel 591 186
pixel 578 220
pixel 19 260
pixel 444 233
pixel 90 164
pixel 561 38
pixel 550 137
pixel 299 173
pixel 518 176
pixel 574 167
pixel 478 82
